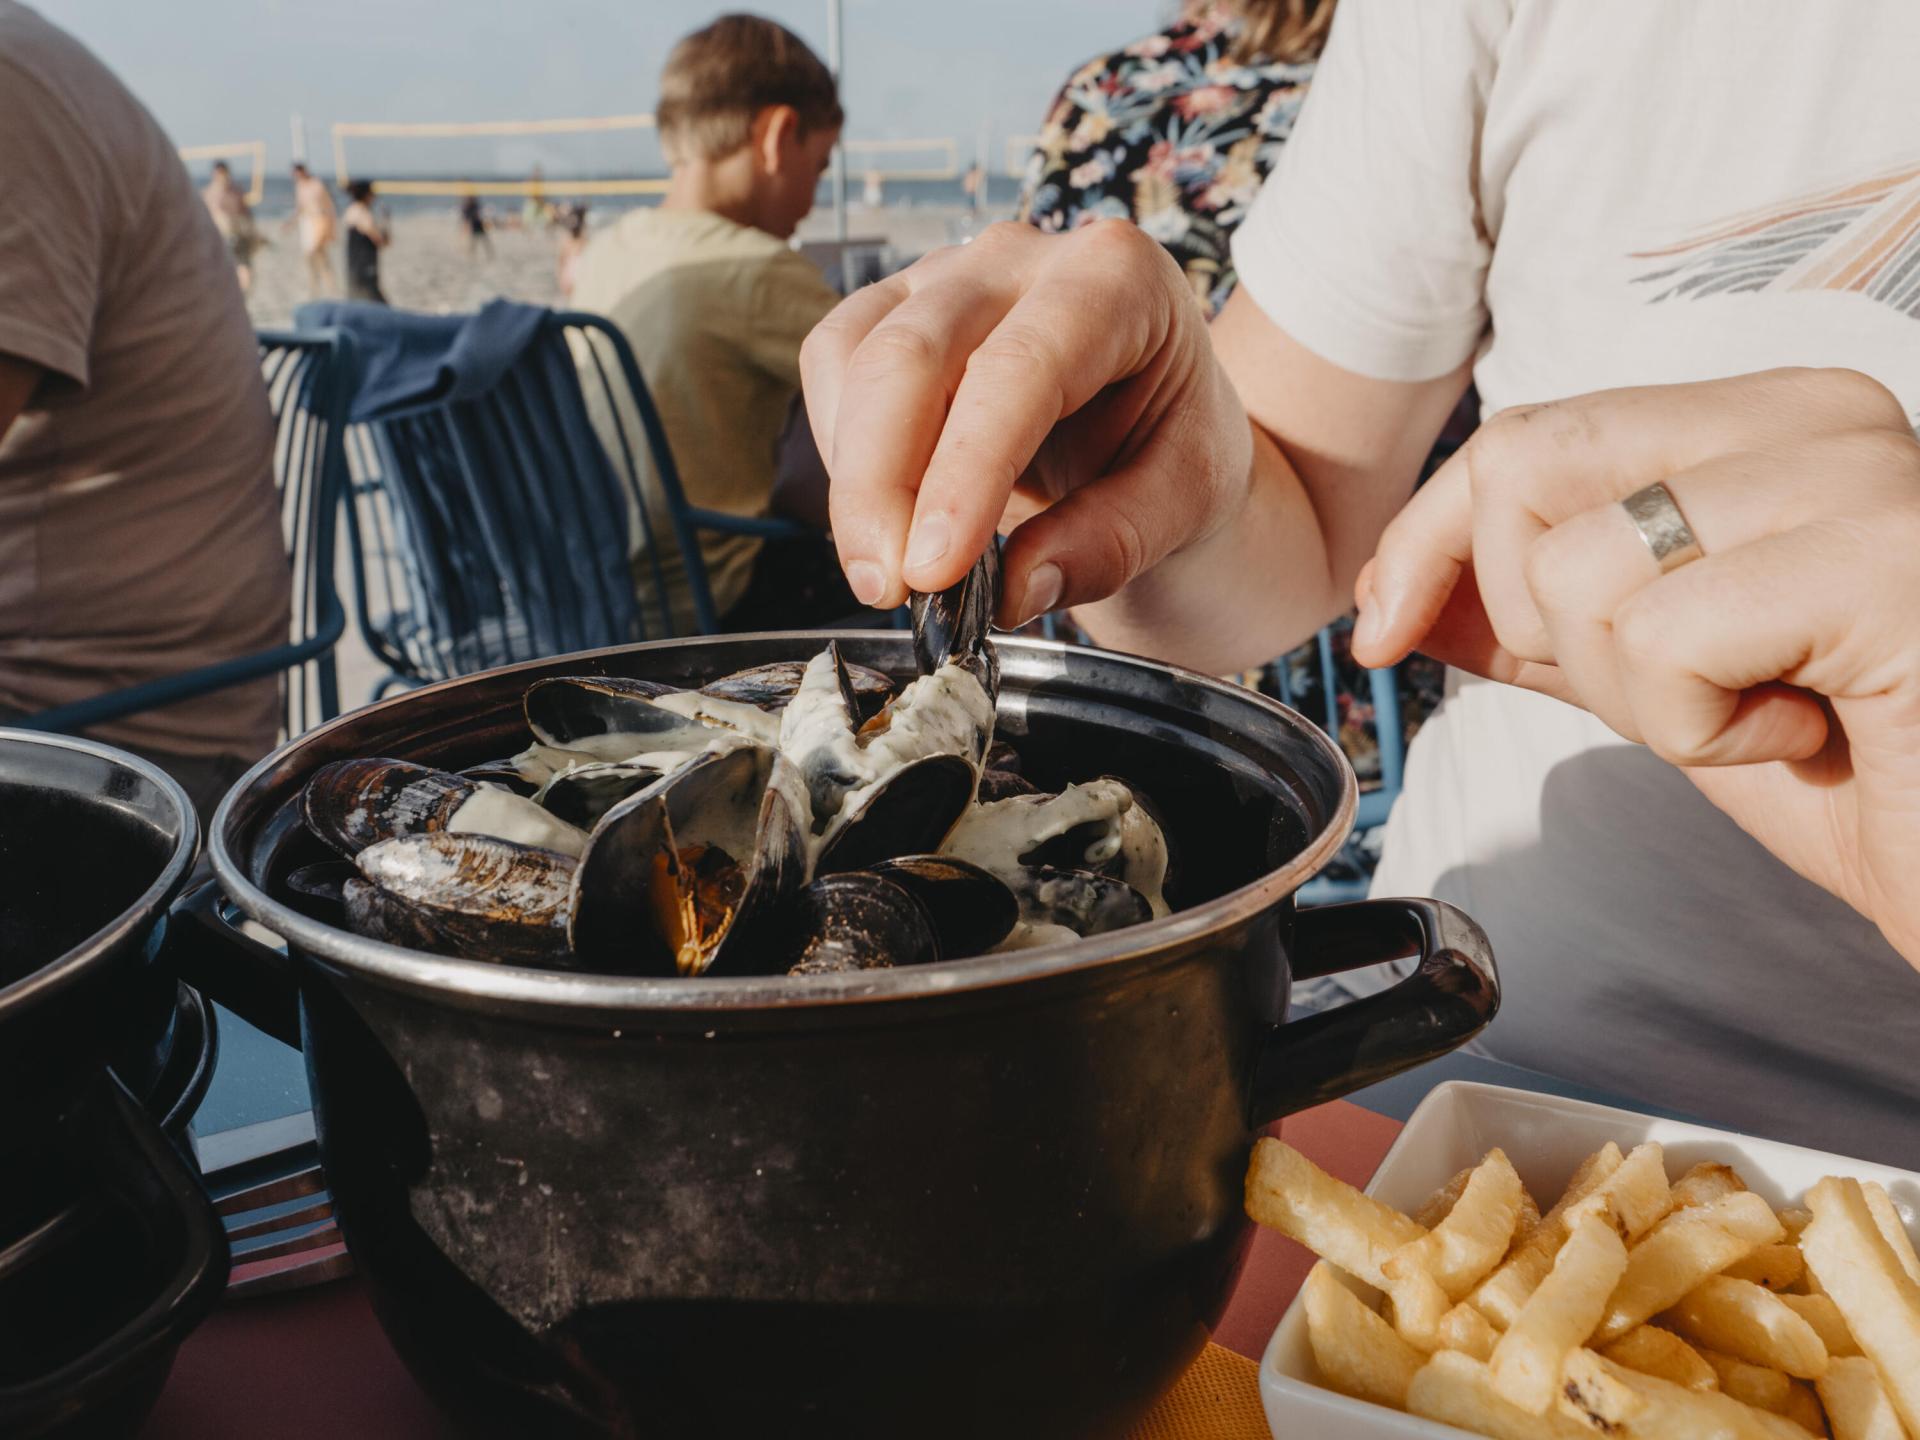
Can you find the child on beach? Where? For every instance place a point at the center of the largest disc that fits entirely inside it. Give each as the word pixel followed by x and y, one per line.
pixel 712 299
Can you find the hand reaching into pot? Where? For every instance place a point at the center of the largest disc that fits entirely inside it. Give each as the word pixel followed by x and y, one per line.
pixel 1778 663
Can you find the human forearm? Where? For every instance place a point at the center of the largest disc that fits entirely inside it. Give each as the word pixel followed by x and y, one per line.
pixel 1258 584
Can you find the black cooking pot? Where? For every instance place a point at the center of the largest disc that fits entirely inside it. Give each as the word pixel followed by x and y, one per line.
pixel 109 1250
pixel 999 1196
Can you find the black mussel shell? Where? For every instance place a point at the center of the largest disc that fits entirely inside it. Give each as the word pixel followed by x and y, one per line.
pixel 582 795
pixel 910 814
pixel 662 856
pixel 771 686
pixel 1086 902
pixel 970 910
pixel 505 773
pixel 857 921
pixel 352 804
pixel 953 625
pixel 1004 785
pixel 466 895
pixel 563 710
pixel 1002 756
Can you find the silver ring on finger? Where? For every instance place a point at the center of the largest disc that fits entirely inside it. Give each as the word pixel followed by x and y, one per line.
pixel 1656 515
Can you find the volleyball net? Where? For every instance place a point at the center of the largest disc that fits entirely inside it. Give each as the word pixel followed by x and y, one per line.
pixel 254 151
pixel 903 159
pixel 486 148
pixel 1019 148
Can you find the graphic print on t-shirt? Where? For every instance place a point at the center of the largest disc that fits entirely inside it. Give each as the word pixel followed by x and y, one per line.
pixel 1863 236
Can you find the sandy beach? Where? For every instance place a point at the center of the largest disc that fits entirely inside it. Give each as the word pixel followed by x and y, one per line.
pixel 427 266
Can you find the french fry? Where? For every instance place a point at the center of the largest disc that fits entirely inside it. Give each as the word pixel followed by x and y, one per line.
pixel 1357 1352
pixel 1753 1385
pixel 1880 1303
pixel 1794 1219
pixel 1739 1318
pixel 1559 1315
pixel 1681 1251
pixel 1778 1267
pixel 1460 1251
pixel 1614 1401
pixel 1289 1193
pixel 1856 1402
pixel 1803 1408
pixel 1500 1296
pixel 1706 1182
pixel 1465 1329
pixel 1417 1305
pixel 1892 1228
pixel 1636 1194
pixel 1824 1316
pixel 1437 1206
pixel 1456 1389
pixel 1653 1351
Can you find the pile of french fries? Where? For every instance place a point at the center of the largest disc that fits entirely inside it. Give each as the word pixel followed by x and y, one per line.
pixel 1637 1307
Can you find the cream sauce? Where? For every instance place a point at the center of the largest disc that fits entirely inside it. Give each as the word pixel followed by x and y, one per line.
pixel 494 811
pixel 995 835
pixel 750 720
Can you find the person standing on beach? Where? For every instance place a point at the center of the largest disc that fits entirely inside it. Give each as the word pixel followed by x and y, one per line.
pixel 366 238
pixel 139 524
pixel 716 304
pixel 226 202
pixel 315 216
pixel 473 218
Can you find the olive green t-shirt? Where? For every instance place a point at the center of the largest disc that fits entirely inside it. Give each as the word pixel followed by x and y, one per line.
pixel 715 313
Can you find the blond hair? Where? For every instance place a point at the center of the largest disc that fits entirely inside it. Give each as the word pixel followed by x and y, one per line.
pixel 717 79
pixel 1292 31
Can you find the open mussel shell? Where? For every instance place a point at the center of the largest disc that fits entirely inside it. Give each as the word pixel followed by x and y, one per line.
pixel 1083 901
pixel 970 910
pixel 950 627
pixel 609 717
pixel 909 813
pixel 856 921
pixel 352 804
pixel 468 895
pixel 770 687
pixel 584 794
pixel 679 878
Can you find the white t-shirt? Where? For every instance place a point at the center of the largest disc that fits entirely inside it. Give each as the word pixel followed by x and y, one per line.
pixel 1590 195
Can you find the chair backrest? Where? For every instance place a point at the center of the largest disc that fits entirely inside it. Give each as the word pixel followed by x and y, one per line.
pixel 1310 676
pixel 309 378
pixel 499 528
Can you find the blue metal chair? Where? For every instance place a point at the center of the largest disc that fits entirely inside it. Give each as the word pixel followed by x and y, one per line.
pixel 1349 874
pixel 309 378
pixel 497 529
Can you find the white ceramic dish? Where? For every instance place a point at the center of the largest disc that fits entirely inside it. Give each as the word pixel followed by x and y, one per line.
pixel 1545 1137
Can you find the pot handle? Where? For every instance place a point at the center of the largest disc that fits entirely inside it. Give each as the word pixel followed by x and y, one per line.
pixel 1448 999
pixel 120 1150
pixel 206 947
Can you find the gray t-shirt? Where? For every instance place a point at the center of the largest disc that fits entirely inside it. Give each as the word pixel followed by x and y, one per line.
pixel 139 526
pixel 1582 196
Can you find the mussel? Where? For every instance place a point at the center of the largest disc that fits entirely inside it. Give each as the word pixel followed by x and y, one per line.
pixel 681 878
pixel 855 921
pixel 969 910
pixel 352 804
pixel 469 895
pixel 770 687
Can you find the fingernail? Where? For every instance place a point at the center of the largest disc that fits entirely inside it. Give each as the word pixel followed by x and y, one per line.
pixel 1368 627
pixel 867 581
pixel 931 536
pixel 1044 583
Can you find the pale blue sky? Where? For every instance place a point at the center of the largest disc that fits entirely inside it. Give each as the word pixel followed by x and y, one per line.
pixel 219 70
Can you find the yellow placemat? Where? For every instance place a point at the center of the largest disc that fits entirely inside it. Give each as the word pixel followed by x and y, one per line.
pixel 1217 1399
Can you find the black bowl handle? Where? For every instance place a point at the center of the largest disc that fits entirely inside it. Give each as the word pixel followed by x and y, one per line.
pixel 1448 999
pixel 133 1171
pixel 207 948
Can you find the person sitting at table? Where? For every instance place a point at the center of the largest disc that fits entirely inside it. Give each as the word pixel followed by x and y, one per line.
pixel 715 303
pixel 139 524
pixel 1462 196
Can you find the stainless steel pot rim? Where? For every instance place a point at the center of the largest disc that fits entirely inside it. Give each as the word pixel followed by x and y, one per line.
pixel 395 967
pixel 72 966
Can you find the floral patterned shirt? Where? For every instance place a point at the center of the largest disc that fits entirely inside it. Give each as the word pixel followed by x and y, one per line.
pixel 1169 133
